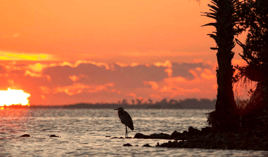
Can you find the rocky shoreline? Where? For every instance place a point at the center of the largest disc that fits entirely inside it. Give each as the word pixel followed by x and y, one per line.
pixel 244 139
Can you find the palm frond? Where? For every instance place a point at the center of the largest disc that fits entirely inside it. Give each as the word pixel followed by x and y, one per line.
pixel 211 24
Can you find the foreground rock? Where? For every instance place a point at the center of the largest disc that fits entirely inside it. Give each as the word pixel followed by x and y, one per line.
pixel 244 139
pixel 249 139
pixel 127 144
pixel 153 136
pixel 147 145
pixel 53 135
pixel 25 135
pixel 176 135
pixel 117 138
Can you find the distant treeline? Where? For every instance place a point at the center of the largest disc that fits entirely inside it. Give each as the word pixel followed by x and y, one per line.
pixel 139 104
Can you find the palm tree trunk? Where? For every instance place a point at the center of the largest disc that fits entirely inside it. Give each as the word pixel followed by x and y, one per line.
pixel 223 12
pixel 225 97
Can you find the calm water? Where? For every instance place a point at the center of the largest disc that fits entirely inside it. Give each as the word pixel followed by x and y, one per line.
pixel 82 133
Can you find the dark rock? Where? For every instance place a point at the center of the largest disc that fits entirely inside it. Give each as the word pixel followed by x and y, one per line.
pixel 206 130
pixel 117 138
pixel 193 131
pixel 182 136
pixel 243 139
pixel 185 133
pixel 190 129
pixel 147 145
pixel 160 136
pixel 175 135
pixel 53 136
pixel 153 136
pixel 209 137
pixel 140 135
pixel 25 135
pixel 127 144
pixel 206 139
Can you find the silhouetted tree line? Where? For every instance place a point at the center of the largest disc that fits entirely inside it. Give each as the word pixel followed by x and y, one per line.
pixel 140 104
pixel 15 106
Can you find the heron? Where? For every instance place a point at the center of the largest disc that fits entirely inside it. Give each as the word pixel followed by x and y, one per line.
pixel 125 118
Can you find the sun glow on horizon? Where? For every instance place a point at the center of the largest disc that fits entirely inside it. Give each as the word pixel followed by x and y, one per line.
pixel 13 97
pixel 14 56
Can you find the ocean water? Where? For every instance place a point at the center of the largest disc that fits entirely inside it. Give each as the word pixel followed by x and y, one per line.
pixel 83 132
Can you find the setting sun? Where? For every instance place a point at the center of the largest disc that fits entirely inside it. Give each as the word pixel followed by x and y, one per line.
pixel 13 97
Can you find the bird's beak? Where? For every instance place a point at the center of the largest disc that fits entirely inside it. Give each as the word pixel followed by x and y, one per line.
pixel 116 109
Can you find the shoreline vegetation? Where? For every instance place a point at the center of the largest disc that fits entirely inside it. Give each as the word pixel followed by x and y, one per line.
pixel 138 104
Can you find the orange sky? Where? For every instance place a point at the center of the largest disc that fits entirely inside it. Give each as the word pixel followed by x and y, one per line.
pixel 68 51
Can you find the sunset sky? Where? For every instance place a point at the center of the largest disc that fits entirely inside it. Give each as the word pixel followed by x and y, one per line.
pixel 71 51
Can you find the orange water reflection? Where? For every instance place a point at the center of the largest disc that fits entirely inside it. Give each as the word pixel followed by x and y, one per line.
pixel 13 121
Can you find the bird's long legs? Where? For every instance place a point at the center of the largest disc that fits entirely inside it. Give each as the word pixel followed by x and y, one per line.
pixel 126 131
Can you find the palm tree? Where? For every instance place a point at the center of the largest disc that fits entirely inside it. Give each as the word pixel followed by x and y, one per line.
pixel 224 12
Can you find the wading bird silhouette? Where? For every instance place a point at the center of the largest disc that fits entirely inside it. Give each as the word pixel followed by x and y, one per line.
pixel 125 118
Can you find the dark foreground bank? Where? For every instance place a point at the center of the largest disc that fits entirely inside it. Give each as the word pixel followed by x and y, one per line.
pixel 248 139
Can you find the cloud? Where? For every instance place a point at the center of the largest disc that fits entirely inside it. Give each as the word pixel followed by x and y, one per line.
pixel 2 69
pixel 52 83
pixel 45 89
pixel 131 94
pixel 167 64
pixel 207 74
pixel 178 91
pixel 37 67
pixel 90 74
pixel 77 88
pixel 153 84
pixel 27 72
pixel 183 69
pixel 76 78
pixel 175 79
pixel 157 96
pixel 121 64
